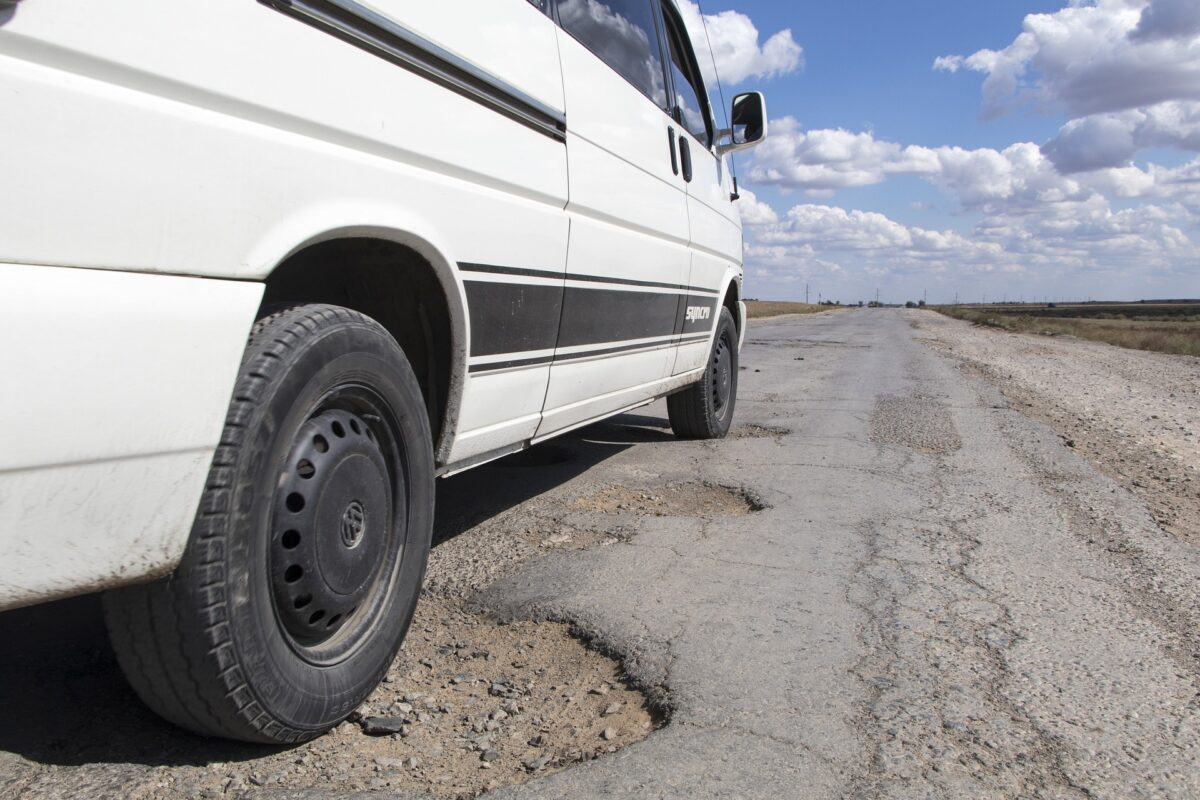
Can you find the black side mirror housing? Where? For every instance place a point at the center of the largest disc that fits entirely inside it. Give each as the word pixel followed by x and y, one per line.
pixel 748 117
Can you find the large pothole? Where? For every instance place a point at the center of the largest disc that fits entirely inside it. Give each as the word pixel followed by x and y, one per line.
pixel 469 704
pixel 691 499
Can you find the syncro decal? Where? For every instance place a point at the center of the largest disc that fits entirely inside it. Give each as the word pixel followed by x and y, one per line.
pixel 696 313
pixel 384 37
pixel 576 317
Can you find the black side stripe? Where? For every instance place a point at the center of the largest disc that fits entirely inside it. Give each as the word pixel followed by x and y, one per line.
pixel 604 351
pixel 492 269
pixel 524 317
pixel 383 37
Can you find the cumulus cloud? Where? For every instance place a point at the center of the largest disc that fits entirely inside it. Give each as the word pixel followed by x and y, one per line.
pixel 736 48
pixel 754 211
pixel 821 160
pixel 812 240
pixel 1030 215
pixel 1168 19
pixel 1092 58
pixel 1112 140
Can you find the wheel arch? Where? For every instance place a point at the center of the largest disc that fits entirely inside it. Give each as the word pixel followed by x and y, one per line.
pixel 731 298
pixel 405 283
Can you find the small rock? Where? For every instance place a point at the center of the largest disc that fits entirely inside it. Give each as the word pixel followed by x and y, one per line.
pixel 488 756
pixel 382 726
pixel 535 764
pixel 499 715
pixel 537 741
pixel 612 709
pixel 602 689
pixel 609 734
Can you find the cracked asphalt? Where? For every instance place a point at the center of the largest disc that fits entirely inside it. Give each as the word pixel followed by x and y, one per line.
pixel 941 600
pixel 900 587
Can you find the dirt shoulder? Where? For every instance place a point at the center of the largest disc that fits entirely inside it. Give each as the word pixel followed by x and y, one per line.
pixel 1134 415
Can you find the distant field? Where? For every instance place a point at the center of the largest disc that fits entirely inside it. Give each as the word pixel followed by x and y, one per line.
pixel 773 308
pixel 1161 327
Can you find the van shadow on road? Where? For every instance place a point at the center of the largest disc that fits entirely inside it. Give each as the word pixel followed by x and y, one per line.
pixel 64 701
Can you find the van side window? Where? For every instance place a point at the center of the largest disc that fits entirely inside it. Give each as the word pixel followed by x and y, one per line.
pixel 622 34
pixel 691 105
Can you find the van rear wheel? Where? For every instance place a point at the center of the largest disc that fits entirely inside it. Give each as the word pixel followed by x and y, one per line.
pixel 308 551
pixel 704 410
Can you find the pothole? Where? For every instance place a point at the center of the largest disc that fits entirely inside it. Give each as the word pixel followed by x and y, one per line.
pixel 469 705
pixel 752 431
pixel 693 499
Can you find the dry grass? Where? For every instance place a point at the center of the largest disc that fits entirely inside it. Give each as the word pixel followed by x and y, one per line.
pixel 773 308
pixel 1177 338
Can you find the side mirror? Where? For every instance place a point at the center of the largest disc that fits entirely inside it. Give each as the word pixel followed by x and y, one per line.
pixel 749 120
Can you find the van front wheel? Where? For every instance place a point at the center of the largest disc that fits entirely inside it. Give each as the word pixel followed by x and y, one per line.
pixel 306 557
pixel 704 410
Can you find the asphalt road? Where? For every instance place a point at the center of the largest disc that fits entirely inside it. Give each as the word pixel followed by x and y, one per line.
pixel 942 599
pixel 938 598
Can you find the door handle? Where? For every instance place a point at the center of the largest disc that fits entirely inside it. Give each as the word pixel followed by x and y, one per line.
pixel 671 144
pixel 685 158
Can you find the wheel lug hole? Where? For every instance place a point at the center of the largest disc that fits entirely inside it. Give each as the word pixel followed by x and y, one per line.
pixel 316 616
pixel 301 601
pixel 305 469
pixel 295 502
pixel 293 573
pixel 290 539
pixel 320 444
pixel 338 430
pixel 354 426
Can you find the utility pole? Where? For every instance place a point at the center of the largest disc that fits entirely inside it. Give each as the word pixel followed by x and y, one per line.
pixel 876 296
pixel 956 298
pixel 806 294
pixel 925 296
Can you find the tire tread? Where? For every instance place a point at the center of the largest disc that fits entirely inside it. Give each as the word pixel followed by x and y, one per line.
pixel 155 642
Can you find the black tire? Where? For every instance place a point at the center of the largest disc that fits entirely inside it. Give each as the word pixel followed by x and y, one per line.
pixel 308 551
pixel 704 410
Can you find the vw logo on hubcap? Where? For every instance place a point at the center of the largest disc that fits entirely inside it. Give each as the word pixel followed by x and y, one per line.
pixel 354 524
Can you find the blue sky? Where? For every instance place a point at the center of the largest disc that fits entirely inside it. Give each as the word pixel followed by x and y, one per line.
pixel 1051 152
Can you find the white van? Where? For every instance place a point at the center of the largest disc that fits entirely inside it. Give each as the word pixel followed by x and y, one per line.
pixel 268 268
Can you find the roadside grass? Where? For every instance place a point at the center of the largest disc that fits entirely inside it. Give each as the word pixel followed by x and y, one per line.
pixel 1176 338
pixel 773 308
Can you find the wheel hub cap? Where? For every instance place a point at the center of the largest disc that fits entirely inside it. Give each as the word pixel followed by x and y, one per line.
pixel 722 376
pixel 331 512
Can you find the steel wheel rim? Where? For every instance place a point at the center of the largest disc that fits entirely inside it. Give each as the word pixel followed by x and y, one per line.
pixel 335 554
pixel 721 375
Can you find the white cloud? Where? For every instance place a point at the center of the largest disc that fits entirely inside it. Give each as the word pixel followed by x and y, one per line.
pixel 1069 243
pixel 736 48
pixel 1112 140
pixel 821 160
pixel 1092 58
pixel 754 211
pixel 1168 19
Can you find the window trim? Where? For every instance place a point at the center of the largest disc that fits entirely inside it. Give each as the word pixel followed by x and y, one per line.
pixel 667 9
